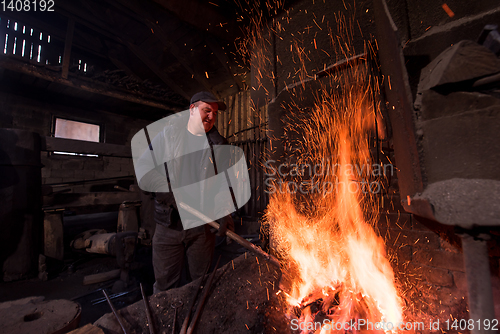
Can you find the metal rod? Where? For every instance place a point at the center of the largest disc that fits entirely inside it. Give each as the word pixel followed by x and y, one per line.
pixel 248 245
pixel 191 304
pixel 91 292
pixel 175 306
pixel 148 311
pixel 206 291
pixel 114 311
pixel 116 295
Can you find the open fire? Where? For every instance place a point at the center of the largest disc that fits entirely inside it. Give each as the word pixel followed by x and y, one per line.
pixel 336 270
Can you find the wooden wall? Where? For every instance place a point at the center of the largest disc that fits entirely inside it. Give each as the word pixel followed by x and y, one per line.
pixel 246 128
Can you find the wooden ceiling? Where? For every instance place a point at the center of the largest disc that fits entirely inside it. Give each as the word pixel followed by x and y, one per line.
pixel 184 46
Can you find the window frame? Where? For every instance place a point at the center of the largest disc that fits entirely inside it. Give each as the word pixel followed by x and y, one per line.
pixel 79 120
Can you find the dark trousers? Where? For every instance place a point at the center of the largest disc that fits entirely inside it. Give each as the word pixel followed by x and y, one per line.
pixel 169 247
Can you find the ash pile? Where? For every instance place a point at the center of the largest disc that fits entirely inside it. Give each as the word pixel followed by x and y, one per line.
pixel 241 299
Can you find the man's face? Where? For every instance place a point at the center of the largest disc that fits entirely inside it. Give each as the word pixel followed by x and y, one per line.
pixel 203 115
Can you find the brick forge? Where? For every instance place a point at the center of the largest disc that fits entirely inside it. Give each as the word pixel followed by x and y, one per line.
pixel 428 264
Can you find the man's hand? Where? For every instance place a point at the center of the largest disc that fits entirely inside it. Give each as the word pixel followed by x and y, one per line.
pixel 165 198
pixel 225 223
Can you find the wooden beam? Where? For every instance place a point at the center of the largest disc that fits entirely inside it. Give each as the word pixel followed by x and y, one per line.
pixel 80 146
pixel 67 47
pixel 103 28
pixel 163 37
pixel 95 87
pixel 74 200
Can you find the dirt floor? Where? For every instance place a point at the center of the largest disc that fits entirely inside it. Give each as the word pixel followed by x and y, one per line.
pixel 242 299
pixel 66 283
pixel 226 310
pixel 66 278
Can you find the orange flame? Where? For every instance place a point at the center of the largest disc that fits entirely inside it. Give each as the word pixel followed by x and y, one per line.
pixel 321 217
pixel 325 234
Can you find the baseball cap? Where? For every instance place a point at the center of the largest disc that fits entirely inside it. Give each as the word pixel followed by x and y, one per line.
pixel 209 98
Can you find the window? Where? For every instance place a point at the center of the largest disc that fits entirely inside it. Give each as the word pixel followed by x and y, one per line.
pixel 68 129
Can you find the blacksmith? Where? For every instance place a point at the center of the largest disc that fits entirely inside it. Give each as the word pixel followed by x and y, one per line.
pixel 186 144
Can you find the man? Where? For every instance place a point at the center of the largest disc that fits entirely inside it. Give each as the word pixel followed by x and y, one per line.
pixel 186 145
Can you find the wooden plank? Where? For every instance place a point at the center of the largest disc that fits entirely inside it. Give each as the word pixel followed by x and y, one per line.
pixel 227 116
pixel 53 233
pixel 72 200
pixel 101 277
pixel 234 117
pixel 252 178
pixel 245 116
pixel 51 144
pixel 67 47
pixel 241 106
pixel 233 120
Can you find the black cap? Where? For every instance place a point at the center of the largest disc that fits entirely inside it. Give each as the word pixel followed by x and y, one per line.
pixel 209 98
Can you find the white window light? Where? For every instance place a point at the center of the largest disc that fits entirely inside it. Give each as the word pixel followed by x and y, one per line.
pixel 6 40
pixel 65 128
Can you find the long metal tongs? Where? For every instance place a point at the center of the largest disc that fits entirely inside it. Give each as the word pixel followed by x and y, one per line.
pixel 206 291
